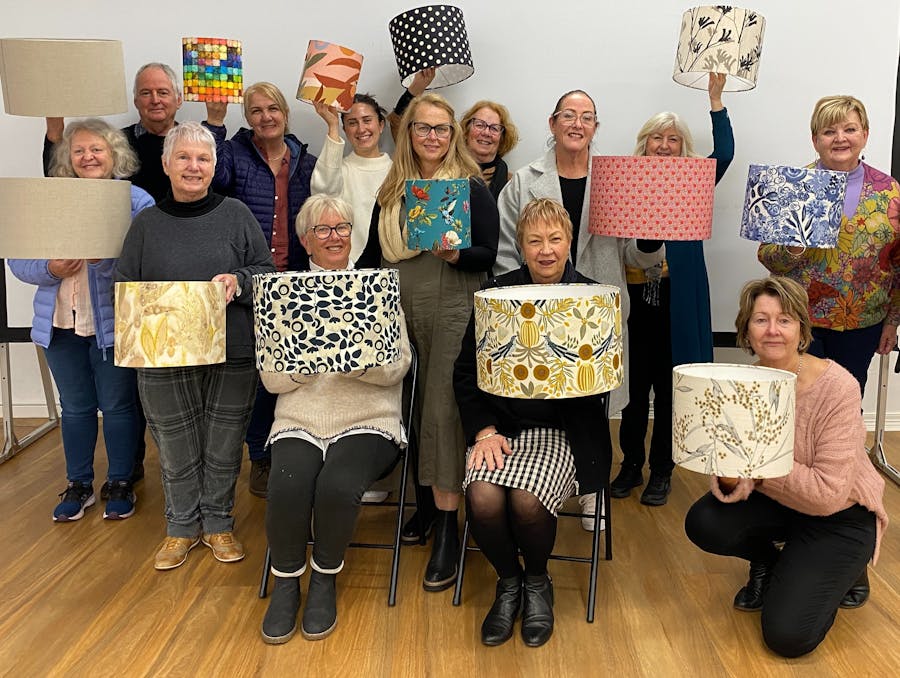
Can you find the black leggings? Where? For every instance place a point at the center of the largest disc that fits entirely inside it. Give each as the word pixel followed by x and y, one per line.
pixel 821 559
pixel 302 484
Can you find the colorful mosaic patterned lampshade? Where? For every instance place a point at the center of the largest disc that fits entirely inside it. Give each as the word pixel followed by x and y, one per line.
pixel 719 39
pixel 438 214
pixel 170 324
pixel 793 205
pixel 62 78
pixel 213 70
pixel 548 341
pixel 659 198
pixel 330 74
pixel 63 218
pixel 432 37
pixel 734 421
pixel 326 321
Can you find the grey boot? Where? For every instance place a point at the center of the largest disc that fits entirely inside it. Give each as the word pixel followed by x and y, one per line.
pixel 320 613
pixel 280 621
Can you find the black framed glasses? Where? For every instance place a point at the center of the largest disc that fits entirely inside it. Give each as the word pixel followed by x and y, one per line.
pixel 423 129
pixel 323 231
pixel 481 125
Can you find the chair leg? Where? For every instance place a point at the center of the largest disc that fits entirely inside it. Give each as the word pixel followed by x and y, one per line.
pixel 607 513
pixel 461 568
pixel 264 580
pixel 395 564
pixel 595 555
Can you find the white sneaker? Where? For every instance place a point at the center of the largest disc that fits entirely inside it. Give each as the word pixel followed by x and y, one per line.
pixel 588 506
pixel 375 496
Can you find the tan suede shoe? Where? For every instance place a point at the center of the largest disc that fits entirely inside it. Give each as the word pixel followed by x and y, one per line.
pixel 224 546
pixel 174 551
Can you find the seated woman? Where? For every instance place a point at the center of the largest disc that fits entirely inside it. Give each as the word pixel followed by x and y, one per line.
pixel 526 456
pixel 198 415
pixel 827 511
pixel 333 436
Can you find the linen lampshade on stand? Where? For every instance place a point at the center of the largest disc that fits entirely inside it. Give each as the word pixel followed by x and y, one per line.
pixel 432 37
pixel 44 77
pixel 793 205
pixel 719 39
pixel 652 197
pixel 734 421
pixel 330 74
pixel 548 341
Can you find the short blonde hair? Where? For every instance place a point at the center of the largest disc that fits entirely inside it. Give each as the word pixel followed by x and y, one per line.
pixel 267 89
pixel 510 137
pixel 125 162
pixel 546 211
pixel 661 122
pixel 793 299
pixel 834 109
pixel 316 205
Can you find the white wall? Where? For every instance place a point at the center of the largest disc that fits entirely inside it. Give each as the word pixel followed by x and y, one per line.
pixel 526 54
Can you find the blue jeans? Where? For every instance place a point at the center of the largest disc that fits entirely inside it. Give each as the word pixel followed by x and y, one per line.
pixel 88 380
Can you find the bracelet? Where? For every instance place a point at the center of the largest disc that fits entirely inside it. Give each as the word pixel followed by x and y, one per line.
pixel 798 255
pixel 486 436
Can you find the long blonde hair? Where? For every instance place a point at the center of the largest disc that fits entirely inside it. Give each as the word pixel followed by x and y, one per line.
pixel 458 163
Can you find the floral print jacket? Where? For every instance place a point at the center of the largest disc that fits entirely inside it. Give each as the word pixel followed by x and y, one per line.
pixel 856 284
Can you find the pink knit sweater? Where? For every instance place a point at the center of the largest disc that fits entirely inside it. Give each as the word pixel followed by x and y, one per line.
pixel 832 471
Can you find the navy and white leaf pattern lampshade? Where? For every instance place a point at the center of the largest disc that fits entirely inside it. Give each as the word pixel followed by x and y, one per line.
pixel 433 36
pixel 799 206
pixel 326 321
pixel 719 39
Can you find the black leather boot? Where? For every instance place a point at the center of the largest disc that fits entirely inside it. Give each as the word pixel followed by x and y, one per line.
pixel 750 597
pixel 441 571
pixel 320 613
pixel 280 621
pixel 858 594
pixel 498 625
pixel 629 476
pixel 537 610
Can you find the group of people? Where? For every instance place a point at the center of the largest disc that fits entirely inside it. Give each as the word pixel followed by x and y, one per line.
pixel 207 207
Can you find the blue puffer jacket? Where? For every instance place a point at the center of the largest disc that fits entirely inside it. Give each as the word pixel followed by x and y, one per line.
pixel 242 173
pixel 100 282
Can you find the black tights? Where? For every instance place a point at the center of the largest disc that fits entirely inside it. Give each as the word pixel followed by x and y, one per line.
pixel 504 521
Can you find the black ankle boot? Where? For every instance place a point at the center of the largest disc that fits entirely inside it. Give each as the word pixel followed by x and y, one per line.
pixel 498 625
pixel 320 613
pixel 750 597
pixel 280 621
pixel 412 532
pixel 537 610
pixel 858 594
pixel 441 570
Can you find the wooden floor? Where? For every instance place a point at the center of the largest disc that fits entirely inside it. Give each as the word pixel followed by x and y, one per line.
pixel 83 599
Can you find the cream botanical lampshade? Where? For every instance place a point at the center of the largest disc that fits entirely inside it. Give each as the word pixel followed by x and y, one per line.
pixel 653 197
pixel 793 205
pixel 62 218
pixel 734 421
pixel 432 37
pixel 719 39
pixel 326 321
pixel 170 324
pixel 548 341
pixel 330 74
pixel 62 78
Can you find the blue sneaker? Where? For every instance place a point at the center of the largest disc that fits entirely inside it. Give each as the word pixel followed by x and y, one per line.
pixel 121 500
pixel 77 497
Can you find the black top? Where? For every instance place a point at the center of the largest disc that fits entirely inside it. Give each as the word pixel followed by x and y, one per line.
pixel 573 200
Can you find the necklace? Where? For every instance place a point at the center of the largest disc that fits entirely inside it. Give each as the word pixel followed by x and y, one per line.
pixel 276 158
pixel 799 365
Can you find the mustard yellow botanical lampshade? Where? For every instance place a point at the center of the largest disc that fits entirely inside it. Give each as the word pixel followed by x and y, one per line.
pixel 734 421
pixel 548 341
pixel 170 324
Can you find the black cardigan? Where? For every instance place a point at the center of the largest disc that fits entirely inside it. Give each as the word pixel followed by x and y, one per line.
pixel 584 419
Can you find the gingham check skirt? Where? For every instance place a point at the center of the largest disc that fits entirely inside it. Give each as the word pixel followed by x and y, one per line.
pixel 541 463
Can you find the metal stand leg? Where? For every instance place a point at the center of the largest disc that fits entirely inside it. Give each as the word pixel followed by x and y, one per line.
pixel 12 444
pixel 876 452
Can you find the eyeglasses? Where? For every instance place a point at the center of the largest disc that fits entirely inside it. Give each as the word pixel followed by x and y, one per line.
pixel 323 231
pixel 482 125
pixel 568 117
pixel 423 129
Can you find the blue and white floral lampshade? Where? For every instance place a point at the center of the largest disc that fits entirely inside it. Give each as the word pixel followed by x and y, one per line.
pixel 326 321
pixel 793 205
pixel 733 421
pixel 719 39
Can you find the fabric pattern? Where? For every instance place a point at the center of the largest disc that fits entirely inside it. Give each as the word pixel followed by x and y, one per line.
pixel 330 74
pixel 438 214
pixel 428 37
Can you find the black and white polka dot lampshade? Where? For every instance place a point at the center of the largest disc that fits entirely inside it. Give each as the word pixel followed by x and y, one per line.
pixel 432 37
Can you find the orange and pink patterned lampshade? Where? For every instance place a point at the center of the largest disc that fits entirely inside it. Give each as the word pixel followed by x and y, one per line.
pixel 330 74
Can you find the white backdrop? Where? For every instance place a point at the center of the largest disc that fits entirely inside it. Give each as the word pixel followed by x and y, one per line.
pixel 526 54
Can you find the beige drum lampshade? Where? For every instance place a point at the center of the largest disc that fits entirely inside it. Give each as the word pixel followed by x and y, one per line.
pixel 44 77
pixel 719 39
pixel 653 197
pixel 330 74
pixel 62 218
pixel 326 321
pixel 548 341
pixel 170 324
pixel 734 421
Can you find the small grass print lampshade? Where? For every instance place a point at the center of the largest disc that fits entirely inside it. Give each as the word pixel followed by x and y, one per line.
pixel 432 37
pixel 213 70
pixel 330 74
pixel 548 341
